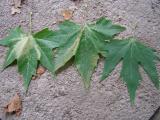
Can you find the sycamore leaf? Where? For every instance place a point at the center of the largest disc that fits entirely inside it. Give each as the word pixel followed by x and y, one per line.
pixel 133 54
pixel 84 43
pixel 28 49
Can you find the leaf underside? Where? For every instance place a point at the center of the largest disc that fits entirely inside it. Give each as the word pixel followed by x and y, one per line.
pixel 28 50
pixel 132 54
pixel 84 43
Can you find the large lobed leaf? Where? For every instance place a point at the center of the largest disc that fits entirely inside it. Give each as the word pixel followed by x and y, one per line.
pixel 85 44
pixel 132 54
pixel 28 49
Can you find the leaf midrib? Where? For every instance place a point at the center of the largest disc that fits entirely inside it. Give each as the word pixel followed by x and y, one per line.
pixel 91 39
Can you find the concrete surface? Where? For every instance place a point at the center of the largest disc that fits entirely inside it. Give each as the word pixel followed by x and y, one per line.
pixel 65 98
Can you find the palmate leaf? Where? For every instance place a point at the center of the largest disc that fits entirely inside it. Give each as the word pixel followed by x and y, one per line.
pixel 28 49
pixel 85 43
pixel 133 54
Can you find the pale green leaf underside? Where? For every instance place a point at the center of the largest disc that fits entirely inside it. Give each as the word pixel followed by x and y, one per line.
pixel 28 50
pixel 133 54
pixel 84 43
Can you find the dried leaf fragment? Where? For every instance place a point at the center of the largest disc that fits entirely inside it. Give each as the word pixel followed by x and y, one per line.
pixel 67 14
pixel 41 70
pixel 17 3
pixel 15 10
pixel 14 105
pixel 16 7
pixel 34 77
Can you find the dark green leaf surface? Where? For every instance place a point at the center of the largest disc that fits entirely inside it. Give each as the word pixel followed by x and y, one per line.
pixel 133 54
pixel 28 50
pixel 27 65
pixel 84 43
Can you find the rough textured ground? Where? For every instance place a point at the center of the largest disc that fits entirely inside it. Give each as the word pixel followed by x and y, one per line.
pixel 65 97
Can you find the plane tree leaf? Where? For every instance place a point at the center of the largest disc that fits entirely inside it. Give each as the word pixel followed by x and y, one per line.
pixel 133 54
pixel 28 49
pixel 84 43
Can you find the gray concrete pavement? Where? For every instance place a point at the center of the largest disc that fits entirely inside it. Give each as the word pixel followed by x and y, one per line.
pixel 65 97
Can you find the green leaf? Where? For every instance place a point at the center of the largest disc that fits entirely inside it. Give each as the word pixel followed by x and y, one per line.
pixel 14 36
pixel 85 43
pixel 10 57
pixel 28 49
pixel 132 54
pixel 46 58
pixel 45 37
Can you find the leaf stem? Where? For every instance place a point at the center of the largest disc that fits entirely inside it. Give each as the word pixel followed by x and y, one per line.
pixel 134 27
pixel 30 23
